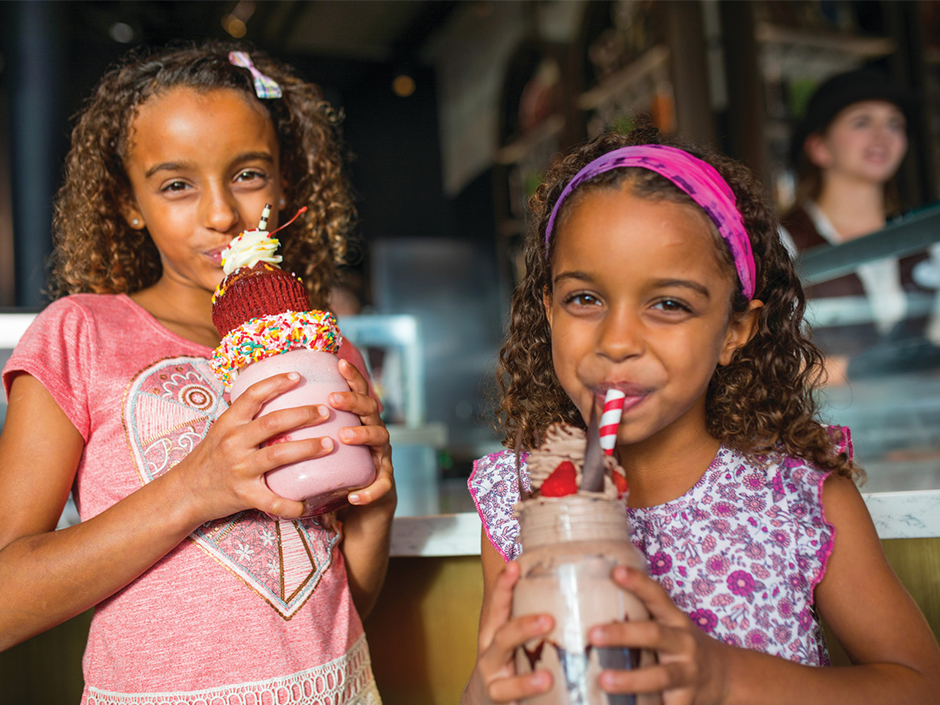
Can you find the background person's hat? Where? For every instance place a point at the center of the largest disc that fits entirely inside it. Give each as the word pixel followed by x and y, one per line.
pixel 841 91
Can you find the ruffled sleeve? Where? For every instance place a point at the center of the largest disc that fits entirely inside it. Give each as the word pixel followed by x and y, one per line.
pixel 494 486
pixel 815 535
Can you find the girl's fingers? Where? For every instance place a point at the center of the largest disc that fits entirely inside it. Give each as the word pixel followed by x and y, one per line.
pixel 287 452
pixel 353 377
pixel 496 663
pixel 379 488
pixel 512 635
pixel 647 634
pixel 516 688
pixel 278 506
pixel 356 401
pixel 268 427
pixel 263 391
pixel 374 436
pixel 362 405
pixel 651 594
pixel 652 679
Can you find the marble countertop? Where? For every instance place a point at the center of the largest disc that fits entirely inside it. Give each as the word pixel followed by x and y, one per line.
pixel 897 515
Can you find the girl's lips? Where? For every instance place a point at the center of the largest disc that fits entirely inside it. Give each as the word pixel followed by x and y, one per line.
pixel 216 255
pixel 628 388
pixel 634 394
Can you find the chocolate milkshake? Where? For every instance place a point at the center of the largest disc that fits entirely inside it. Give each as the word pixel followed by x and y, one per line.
pixel 572 540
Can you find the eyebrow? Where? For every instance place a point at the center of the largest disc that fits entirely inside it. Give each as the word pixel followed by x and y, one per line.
pixel 686 284
pixel 657 284
pixel 241 158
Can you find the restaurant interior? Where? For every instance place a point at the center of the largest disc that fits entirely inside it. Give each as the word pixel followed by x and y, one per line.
pixel 452 111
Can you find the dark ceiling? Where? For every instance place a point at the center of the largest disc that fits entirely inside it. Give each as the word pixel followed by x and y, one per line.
pixel 332 33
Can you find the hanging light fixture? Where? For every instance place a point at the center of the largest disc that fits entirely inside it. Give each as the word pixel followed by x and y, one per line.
pixel 236 22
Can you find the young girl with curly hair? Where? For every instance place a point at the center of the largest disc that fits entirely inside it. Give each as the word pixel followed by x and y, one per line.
pixel 657 270
pixel 206 585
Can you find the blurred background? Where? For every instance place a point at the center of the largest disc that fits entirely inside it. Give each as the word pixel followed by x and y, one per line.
pixel 452 112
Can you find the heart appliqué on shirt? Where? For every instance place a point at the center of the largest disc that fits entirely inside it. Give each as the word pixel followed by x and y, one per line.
pixel 168 409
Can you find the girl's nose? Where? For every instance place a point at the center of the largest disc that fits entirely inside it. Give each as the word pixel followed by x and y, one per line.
pixel 621 336
pixel 220 210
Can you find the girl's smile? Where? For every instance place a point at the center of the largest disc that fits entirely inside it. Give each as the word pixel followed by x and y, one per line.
pixel 641 302
pixel 202 165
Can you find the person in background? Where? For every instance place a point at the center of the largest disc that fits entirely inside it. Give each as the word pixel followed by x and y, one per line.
pixel 847 149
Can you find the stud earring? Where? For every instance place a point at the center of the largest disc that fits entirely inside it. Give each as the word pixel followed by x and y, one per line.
pixel 135 222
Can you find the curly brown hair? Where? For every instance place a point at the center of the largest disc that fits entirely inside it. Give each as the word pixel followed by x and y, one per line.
pixel 97 251
pixel 762 401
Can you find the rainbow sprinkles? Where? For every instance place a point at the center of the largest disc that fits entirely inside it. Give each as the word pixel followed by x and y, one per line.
pixel 267 336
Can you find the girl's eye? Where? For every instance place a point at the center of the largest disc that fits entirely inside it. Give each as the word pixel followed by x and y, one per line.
pixel 175 186
pixel 582 299
pixel 249 175
pixel 672 305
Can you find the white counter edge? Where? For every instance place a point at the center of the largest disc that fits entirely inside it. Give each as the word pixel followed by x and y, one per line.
pixel 897 515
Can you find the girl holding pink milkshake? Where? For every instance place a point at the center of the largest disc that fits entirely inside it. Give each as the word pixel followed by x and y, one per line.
pixel 207 585
pixel 655 270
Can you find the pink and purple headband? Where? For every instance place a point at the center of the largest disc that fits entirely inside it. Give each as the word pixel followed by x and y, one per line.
pixel 698 179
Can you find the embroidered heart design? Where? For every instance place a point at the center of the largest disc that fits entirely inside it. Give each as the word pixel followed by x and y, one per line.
pixel 168 409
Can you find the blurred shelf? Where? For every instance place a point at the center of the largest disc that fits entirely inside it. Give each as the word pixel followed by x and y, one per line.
pixel 866 47
pixel 520 147
pixel 646 65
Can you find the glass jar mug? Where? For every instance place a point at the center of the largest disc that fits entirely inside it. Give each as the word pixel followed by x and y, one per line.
pixel 570 547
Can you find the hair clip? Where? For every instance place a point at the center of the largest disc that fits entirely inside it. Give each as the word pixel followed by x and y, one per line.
pixel 265 86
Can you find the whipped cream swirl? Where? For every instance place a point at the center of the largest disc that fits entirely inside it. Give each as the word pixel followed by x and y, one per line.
pixel 249 248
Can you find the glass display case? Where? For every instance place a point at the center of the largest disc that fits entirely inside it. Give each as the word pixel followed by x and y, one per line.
pixel 888 392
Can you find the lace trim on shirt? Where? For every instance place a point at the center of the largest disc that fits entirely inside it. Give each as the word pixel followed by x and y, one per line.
pixel 347 680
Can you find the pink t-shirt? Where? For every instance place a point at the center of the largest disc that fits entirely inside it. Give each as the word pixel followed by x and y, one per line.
pixel 248 609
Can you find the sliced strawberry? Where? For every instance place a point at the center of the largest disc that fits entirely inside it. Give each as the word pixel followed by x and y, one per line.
pixel 620 482
pixel 563 481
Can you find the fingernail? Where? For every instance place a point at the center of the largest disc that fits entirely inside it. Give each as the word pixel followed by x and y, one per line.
pixel 354 499
pixel 345 435
pixel 323 411
pixel 293 376
pixel 327 443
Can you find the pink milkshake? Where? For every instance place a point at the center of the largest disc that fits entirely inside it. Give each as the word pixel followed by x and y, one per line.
pixel 268 328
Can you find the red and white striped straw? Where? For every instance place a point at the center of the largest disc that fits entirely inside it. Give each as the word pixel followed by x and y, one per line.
pixel 610 419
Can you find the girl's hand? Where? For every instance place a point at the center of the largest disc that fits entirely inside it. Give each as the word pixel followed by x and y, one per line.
pixel 224 473
pixel 494 678
pixel 691 668
pixel 371 433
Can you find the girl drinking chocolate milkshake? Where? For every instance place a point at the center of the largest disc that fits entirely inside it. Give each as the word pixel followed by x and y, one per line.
pixel 207 586
pixel 657 271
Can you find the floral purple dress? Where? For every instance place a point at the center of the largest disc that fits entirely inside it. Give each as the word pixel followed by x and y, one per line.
pixel 740 553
